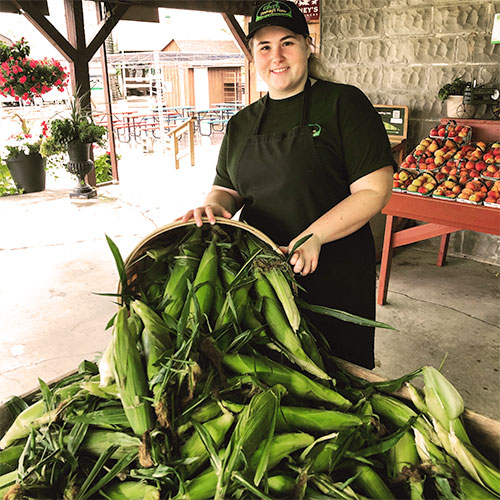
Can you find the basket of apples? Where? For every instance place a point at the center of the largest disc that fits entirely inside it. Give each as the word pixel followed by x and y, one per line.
pixel 422 185
pixel 474 192
pixel 459 133
pixel 448 189
pixel 402 179
pixel 493 196
pixel 491 160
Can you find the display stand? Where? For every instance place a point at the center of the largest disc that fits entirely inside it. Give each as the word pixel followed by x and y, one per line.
pixel 442 217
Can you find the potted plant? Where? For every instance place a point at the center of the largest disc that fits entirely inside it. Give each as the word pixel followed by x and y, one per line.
pixel 453 94
pixel 23 78
pixel 75 135
pixel 25 158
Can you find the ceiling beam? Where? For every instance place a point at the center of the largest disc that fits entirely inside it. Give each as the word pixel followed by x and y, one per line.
pixel 35 16
pixel 238 33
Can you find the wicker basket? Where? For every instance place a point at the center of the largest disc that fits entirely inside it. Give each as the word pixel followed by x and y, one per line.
pixel 165 234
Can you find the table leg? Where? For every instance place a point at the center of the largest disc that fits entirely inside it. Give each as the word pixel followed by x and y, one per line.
pixel 443 249
pixel 386 260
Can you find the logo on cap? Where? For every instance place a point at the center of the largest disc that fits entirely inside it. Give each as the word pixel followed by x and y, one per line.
pixel 273 8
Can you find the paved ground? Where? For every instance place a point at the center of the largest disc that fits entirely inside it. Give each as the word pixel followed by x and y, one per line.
pixel 55 259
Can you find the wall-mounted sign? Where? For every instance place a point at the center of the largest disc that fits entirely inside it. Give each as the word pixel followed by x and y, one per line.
pixel 310 9
pixel 495 34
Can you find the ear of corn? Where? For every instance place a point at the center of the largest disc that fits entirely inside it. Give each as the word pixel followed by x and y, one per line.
pixel 130 377
pixel 470 490
pixel 280 327
pixel 316 420
pixel 296 383
pixel 441 398
pixel 281 484
pixel 371 483
pixel 36 415
pixel 131 490
pixel 204 283
pixel 97 441
pixel 201 487
pixel 6 482
pixel 282 445
pixel 153 323
pixel 194 447
pixel 105 368
pixel 186 264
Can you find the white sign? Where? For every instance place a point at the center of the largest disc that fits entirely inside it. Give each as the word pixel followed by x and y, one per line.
pixel 495 34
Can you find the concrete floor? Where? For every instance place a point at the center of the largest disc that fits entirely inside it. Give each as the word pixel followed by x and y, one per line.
pixel 54 260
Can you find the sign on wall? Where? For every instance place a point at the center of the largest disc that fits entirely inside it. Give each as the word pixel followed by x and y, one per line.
pixel 310 9
pixel 495 34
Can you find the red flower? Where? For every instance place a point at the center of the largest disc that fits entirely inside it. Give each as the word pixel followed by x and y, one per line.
pixel 22 79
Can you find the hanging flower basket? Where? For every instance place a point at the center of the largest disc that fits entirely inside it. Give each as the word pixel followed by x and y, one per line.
pixel 23 78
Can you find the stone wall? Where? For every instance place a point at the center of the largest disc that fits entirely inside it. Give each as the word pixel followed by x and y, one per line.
pixel 402 52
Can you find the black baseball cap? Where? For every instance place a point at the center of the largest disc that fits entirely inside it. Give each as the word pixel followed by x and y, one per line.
pixel 278 13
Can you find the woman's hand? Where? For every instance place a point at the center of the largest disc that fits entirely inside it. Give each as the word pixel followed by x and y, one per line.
pixel 209 211
pixel 305 259
pixel 220 202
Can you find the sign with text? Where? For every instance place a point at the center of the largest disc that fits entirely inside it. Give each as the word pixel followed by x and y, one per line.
pixel 395 119
pixel 310 9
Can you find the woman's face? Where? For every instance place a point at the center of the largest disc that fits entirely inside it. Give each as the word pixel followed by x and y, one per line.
pixel 280 57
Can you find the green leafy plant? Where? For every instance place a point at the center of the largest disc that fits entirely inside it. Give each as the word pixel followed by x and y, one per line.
pixel 102 165
pixel 7 185
pixel 79 126
pixel 456 87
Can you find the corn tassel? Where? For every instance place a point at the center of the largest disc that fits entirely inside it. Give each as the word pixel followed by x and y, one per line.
pixel 295 382
pixel 130 377
pixel 280 327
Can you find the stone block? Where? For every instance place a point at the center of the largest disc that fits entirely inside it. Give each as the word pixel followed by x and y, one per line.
pixel 403 78
pixel 342 52
pixel 336 6
pixel 367 79
pixel 408 21
pixel 461 17
pixel 435 50
pixel 387 50
pixel 360 24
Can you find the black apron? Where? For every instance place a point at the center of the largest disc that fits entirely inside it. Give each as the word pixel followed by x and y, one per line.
pixel 286 188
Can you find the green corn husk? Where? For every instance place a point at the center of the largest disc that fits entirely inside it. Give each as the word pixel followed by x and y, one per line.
pixel 6 482
pixel 470 490
pixel 186 264
pixel 299 418
pixel 201 487
pixel 204 282
pixel 441 398
pixel 281 484
pixel 372 484
pixel 255 425
pixel 105 365
pixel 131 490
pixel 93 386
pixel 194 447
pixel 109 417
pixel 282 445
pixel 207 411
pixel 130 377
pixel 402 462
pixel 281 329
pixel 97 442
pixel 272 373
pixel 9 458
pixel 36 415
pixel 153 323
pixel 218 300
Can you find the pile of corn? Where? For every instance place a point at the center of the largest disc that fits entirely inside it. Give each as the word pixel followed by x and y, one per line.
pixel 214 385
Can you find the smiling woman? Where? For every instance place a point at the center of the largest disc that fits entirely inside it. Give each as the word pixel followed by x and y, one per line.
pixel 293 163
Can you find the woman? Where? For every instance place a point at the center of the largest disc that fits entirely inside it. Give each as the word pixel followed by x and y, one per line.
pixel 311 157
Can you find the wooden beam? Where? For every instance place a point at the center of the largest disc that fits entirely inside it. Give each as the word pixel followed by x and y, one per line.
pixel 9 7
pixel 34 15
pixel 238 33
pixel 105 27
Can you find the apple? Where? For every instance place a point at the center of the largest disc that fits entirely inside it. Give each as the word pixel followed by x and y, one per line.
pixel 489 199
pixel 463 196
pixel 480 165
pixel 489 158
pixel 470 165
pixel 423 190
pixel 456 189
pixel 474 197
pixel 493 194
pixel 412 188
pixel 442 132
pixel 429 186
pixel 433 132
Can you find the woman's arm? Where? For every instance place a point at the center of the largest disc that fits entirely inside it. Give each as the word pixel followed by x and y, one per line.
pixel 220 201
pixel 369 195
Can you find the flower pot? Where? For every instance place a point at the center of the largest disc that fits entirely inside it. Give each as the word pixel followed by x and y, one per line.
pixel 80 165
pixel 28 172
pixel 455 107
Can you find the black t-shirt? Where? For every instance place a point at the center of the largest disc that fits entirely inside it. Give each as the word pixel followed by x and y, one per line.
pixel 353 141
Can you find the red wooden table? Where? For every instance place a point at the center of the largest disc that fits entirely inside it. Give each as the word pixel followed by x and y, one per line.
pixel 442 218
